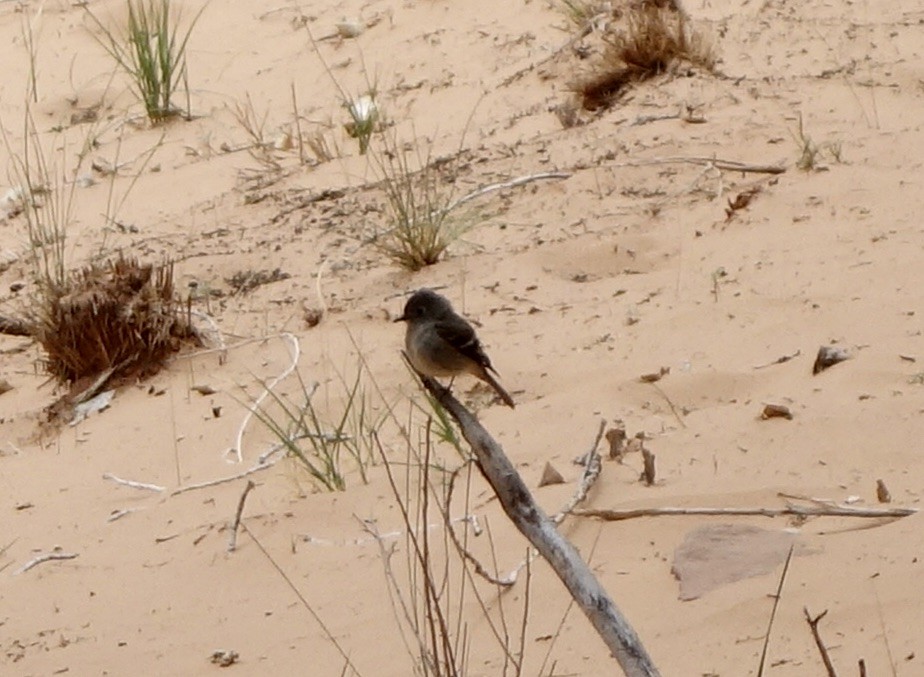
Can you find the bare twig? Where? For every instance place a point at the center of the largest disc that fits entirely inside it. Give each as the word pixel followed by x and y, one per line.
pixel 44 557
pixel 616 515
pixel 513 183
pixel 232 540
pixel 119 514
pixel 262 464
pixel 506 581
pixel 822 649
pixel 131 483
pixel 669 404
pixel 728 165
pixel 592 466
pixel 776 604
pixel 779 360
pixel 528 517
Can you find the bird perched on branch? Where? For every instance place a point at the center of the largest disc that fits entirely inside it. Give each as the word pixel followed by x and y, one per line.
pixel 441 343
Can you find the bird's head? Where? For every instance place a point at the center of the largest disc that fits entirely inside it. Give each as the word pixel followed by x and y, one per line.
pixel 425 304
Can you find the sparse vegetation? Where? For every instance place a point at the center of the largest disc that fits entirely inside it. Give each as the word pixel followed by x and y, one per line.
pixel 810 153
pixel 323 444
pixel 652 40
pixel 421 214
pixel 118 317
pixel 588 15
pixel 151 49
pixel 437 598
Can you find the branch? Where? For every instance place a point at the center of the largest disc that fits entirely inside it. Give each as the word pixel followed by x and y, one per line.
pixel 822 649
pixel 528 517
pixel 131 483
pixel 513 183
pixel 592 468
pixel 729 165
pixel 44 557
pixel 615 515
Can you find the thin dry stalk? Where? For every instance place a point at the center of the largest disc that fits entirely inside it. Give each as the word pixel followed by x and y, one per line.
pixel 304 602
pixel 776 604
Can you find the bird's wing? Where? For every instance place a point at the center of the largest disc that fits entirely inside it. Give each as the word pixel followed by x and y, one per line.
pixel 460 335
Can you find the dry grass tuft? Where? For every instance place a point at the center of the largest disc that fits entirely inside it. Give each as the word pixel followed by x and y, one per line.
pixel 121 317
pixel 653 41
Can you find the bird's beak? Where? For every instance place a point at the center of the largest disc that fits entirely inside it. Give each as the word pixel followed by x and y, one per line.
pixel 400 319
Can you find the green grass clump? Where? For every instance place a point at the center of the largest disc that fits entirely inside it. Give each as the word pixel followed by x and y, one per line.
pixel 152 51
pixel 325 444
pixel 423 219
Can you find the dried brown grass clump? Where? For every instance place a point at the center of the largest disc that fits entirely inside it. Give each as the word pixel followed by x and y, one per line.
pixel 120 317
pixel 654 40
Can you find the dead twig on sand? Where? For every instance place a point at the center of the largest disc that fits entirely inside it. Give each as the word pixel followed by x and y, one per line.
pixel 532 522
pixel 131 483
pixel 776 604
pixel 615 515
pixel 44 557
pixel 727 165
pixel 822 649
pixel 232 540
pixel 513 183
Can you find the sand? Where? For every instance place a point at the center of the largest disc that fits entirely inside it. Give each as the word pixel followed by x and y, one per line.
pixel 578 286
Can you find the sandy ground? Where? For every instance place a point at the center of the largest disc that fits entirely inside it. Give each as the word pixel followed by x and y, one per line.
pixel 579 286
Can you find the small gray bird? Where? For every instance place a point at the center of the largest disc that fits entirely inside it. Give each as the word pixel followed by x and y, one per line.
pixel 441 343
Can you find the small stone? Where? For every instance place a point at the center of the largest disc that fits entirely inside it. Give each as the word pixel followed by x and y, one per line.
pixel 550 476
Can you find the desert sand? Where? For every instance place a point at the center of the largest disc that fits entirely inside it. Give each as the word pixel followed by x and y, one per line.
pixel 578 286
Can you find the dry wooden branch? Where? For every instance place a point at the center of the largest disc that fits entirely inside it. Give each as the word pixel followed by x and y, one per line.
pixel 513 183
pixel 44 557
pixel 592 467
pixel 262 464
pixel 528 517
pixel 131 483
pixel 822 649
pixel 615 515
pixel 728 165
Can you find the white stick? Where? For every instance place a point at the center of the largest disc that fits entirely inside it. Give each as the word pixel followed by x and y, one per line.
pixel 44 557
pixel 132 483
pixel 513 183
pixel 294 353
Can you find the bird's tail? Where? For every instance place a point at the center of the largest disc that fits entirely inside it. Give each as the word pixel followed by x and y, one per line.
pixel 486 376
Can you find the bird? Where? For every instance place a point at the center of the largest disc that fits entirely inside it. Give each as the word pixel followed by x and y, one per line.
pixel 441 343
